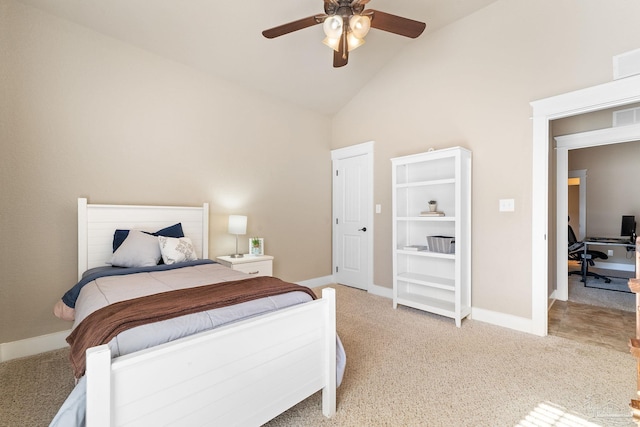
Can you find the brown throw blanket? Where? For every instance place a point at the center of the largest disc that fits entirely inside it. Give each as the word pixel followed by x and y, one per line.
pixel 104 324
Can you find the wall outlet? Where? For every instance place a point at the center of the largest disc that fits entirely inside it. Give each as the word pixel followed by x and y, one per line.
pixel 610 252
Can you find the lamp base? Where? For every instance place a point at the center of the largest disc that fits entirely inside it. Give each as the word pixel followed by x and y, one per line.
pixel 237 255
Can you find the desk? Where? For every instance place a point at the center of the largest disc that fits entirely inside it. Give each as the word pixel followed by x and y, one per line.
pixel 604 241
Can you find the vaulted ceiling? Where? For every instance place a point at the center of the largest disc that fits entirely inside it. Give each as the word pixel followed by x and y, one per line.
pixel 224 38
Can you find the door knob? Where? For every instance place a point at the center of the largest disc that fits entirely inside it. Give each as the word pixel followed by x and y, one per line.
pixel 362 229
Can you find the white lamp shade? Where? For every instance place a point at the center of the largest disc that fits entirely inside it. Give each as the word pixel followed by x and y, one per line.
pixel 360 25
pixel 332 26
pixel 237 224
pixel 353 42
pixel 332 43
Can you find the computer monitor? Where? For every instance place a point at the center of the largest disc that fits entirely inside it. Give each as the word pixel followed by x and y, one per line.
pixel 628 228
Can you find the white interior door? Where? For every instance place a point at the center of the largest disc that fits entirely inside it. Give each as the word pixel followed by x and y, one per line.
pixel 353 220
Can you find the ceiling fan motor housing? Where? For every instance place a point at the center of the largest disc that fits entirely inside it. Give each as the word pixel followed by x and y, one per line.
pixel 344 8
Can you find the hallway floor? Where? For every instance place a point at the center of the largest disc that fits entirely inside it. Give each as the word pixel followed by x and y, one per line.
pixel 605 327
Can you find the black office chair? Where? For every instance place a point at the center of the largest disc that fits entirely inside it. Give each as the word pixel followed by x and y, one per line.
pixel 576 253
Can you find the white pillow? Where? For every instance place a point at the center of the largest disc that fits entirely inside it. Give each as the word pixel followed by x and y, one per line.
pixel 138 250
pixel 176 249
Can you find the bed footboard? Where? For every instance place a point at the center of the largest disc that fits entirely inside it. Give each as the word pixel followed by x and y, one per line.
pixel 242 374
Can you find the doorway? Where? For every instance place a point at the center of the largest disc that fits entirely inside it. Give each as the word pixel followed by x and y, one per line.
pixel 564 144
pixel 352 223
pixel 613 94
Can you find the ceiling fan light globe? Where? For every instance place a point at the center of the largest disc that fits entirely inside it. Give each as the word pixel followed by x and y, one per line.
pixel 332 26
pixel 353 42
pixel 360 25
pixel 332 43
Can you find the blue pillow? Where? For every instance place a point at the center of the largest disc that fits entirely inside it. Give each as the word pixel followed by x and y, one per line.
pixel 174 230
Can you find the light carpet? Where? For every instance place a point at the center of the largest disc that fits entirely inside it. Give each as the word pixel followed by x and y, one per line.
pixel 410 368
pixel 596 292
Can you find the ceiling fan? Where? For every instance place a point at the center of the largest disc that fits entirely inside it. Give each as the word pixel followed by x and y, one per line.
pixel 346 23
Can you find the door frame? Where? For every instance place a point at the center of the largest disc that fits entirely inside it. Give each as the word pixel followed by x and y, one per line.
pixel 363 149
pixel 565 143
pixel 562 206
pixel 608 95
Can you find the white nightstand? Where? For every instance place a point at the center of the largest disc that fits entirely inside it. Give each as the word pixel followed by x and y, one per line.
pixel 256 265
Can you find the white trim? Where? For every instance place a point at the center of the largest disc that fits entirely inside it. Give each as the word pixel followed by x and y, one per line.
pixel 32 346
pixel 363 149
pixel 317 282
pixel 607 95
pixel 596 138
pixel 562 206
pixel 381 291
pixel 562 233
pixel 508 321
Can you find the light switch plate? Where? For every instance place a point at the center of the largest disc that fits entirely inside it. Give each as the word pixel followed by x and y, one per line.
pixel 507 205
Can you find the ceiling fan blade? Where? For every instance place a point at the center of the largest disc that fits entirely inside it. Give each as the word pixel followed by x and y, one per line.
pixel 341 56
pixel 396 24
pixel 293 26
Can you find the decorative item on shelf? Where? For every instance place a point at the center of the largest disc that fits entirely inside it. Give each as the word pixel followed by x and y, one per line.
pixel 433 205
pixel 431 213
pixel 421 248
pixel 237 226
pixel 442 244
pixel 256 246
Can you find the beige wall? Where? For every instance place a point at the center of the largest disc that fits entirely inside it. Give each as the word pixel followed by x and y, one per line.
pixel 470 84
pixel 83 115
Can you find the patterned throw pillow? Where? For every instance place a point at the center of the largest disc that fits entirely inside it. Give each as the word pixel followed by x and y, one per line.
pixel 176 250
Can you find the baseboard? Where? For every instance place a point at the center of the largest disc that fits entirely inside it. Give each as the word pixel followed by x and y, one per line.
pixel 487 316
pixel 328 280
pixel 615 266
pixel 318 281
pixel 508 321
pixel 35 345
pixel 381 291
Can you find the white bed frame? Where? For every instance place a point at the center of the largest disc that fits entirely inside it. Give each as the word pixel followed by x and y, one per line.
pixel 243 374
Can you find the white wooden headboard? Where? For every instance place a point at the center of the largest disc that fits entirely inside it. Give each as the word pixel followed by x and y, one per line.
pixel 97 223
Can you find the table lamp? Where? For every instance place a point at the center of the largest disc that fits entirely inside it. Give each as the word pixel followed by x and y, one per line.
pixel 237 226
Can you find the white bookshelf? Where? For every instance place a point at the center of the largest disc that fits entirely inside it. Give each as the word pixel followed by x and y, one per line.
pixel 427 280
